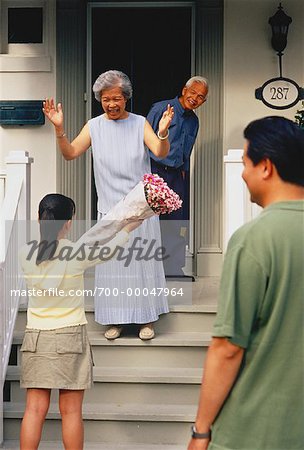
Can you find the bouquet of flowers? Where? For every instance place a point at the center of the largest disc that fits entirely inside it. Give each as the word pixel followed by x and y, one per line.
pixel 160 198
pixel 151 196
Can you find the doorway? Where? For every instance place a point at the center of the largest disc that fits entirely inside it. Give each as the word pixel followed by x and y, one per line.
pixel 152 44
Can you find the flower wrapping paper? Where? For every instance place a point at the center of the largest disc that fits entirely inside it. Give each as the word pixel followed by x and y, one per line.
pixel 133 207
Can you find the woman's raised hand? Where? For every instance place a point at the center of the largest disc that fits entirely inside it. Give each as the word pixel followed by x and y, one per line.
pixel 166 120
pixel 55 115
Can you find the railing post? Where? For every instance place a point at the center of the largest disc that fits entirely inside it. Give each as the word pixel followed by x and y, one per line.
pixel 18 164
pixel 1 354
pixel 237 204
pixel 2 185
pixel 15 206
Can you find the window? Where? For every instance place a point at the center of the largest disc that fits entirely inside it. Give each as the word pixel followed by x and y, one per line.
pixel 27 30
pixel 25 26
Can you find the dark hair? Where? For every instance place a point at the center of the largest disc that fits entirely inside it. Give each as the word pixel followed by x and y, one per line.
pixel 54 211
pixel 282 142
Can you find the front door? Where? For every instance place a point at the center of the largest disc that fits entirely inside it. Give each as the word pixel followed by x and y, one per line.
pixel 152 45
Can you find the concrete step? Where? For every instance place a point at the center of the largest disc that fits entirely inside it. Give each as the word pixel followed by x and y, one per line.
pixel 176 375
pixel 129 385
pixel 203 291
pixel 145 394
pixel 116 423
pixel 182 318
pixel 56 445
pixel 164 350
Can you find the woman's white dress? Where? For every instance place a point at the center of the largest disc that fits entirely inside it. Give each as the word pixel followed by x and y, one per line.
pixel 130 290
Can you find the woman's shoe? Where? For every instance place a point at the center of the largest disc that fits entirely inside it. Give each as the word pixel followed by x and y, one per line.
pixel 146 332
pixel 113 332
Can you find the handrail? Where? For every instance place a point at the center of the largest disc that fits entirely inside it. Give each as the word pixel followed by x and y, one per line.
pixel 2 185
pixel 15 207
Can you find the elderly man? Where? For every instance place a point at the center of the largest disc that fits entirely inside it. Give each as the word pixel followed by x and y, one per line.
pixel 175 167
pixel 252 390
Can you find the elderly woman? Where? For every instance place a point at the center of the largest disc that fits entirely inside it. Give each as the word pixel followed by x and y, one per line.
pixel 130 290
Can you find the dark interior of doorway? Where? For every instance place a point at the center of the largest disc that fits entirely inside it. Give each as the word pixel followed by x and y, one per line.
pixel 151 45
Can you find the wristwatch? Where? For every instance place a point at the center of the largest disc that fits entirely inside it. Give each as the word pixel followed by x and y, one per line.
pixel 197 435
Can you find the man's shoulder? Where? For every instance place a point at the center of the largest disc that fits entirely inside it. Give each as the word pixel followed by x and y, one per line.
pixel 192 116
pixel 270 223
pixel 250 233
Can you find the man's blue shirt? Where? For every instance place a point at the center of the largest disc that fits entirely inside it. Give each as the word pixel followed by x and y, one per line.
pixel 183 132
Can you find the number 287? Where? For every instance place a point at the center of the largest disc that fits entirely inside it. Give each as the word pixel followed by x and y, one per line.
pixel 279 93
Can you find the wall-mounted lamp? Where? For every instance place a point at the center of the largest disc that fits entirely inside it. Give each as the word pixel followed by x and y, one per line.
pixel 279 92
pixel 279 24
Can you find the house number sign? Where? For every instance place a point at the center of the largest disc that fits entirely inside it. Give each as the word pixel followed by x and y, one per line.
pixel 279 93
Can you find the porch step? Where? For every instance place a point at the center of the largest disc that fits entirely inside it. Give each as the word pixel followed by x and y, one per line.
pixel 145 394
pixel 131 351
pixel 169 339
pixel 56 445
pixel 117 411
pixel 133 375
pixel 116 423
pixel 182 318
pixel 136 384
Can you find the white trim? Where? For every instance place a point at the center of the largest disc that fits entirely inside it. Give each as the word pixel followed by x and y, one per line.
pixel 193 34
pixel 88 175
pixel 210 250
pixel 209 264
pixel 15 207
pixel 238 208
pixel 23 49
pixel 190 248
pixel 12 63
pixel 25 57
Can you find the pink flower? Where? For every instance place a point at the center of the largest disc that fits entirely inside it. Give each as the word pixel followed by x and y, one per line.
pixel 160 198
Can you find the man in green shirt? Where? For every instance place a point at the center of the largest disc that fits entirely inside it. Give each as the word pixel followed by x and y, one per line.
pixel 252 394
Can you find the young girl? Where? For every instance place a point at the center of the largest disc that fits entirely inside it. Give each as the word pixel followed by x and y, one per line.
pixel 56 351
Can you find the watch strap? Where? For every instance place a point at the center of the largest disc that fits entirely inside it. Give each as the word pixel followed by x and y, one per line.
pixel 197 435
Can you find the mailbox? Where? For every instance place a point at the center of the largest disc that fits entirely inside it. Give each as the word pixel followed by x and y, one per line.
pixel 21 112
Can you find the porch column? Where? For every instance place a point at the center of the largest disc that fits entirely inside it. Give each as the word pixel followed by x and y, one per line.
pixel 207 167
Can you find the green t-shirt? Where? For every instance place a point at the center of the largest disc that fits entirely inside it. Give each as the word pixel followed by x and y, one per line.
pixel 261 309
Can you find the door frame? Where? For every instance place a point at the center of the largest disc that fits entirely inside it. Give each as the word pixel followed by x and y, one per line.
pixel 164 4
pixel 93 5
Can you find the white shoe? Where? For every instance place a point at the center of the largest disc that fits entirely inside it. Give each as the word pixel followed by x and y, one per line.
pixel 113 332
pixel 146 332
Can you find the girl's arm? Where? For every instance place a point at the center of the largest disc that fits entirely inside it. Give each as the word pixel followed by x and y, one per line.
pixel 90 256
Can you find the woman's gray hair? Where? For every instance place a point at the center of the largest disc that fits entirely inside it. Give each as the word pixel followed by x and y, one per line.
pixel 112 79
pixel 197 79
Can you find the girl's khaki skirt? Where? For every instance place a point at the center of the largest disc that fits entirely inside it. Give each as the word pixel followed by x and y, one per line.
pixel 57 359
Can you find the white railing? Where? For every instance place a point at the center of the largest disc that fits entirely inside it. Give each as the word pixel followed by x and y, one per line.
pixel 238 207
pixel 2 185
pixel 14 228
